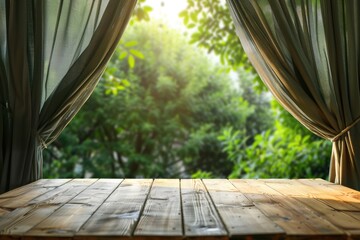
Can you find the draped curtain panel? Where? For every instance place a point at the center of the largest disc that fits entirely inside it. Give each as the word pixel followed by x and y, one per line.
pixel 307 53
pixel 52 54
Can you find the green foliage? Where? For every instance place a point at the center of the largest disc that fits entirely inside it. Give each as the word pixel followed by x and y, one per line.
pixel 141 12
pixel 286 119
pixel 267 147
pixel 125 50
pixel 212 29
pixel 162 109
pixel 233 141
pixel 281 152
pixel 202 174
pixel 165 120
pixel 261 119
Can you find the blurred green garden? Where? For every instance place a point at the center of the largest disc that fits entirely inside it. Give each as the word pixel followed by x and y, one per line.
pixel 184 103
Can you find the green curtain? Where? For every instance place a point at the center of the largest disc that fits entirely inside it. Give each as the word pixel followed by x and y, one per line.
pixel 307 53
pixel 52 53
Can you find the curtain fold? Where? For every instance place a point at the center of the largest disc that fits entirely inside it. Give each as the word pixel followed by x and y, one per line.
pixel 52 54
pixel 307 53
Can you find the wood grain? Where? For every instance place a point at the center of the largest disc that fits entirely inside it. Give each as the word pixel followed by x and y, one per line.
pixel 290 214
pixel 240 215
pixel 162 212
pixel 68 219
pixel 20 197
pixel 146 209
pixel 118 215
pixel 199 213
pixel 338 197
pixel 318 201
pixel 24 218
pixel 324 202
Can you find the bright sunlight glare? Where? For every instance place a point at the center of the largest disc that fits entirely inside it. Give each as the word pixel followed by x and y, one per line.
pixel 168 11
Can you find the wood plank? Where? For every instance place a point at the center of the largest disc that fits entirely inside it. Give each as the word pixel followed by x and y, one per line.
pixel 21 196
pixel 22 219
pixel 118 215
pixel 162 212
pixel 352 197
pixel 48 183
pixel 338 197
pixel 241 217
pixel 88 209
pixel 341 190
pixel 199 213
pixel 68 219
pixel 318 200
pixel 290 214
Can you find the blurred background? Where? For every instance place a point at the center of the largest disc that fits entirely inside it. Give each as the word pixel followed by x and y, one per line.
pixel 179 98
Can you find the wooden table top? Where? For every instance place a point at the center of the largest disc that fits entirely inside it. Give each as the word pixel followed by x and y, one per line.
pixel 180 209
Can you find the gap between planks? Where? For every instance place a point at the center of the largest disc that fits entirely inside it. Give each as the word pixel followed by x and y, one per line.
pixel 295 217
pixel 25 219
pixel 119 214
pixel 241 217
pixel 218 200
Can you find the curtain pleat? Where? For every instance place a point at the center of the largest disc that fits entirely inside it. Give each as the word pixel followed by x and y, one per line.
pixel 307 53
pixel 52 54
pixel 82 77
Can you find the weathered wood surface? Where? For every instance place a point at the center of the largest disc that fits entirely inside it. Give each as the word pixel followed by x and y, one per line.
pixel 180 209
pixel 200 215
pixel 162 212
pixel 119 214
pixel 238 212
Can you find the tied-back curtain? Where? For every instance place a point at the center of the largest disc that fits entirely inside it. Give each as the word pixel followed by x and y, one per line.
pixel 52 54
pixel 307 53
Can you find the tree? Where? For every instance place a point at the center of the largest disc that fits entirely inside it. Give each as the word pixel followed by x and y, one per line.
pixel 277 153
pixel 258 152
pixel 212 29
pixel 158 114
pixel 261 119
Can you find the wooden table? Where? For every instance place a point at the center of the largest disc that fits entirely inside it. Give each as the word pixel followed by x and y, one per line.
pixel 178 209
